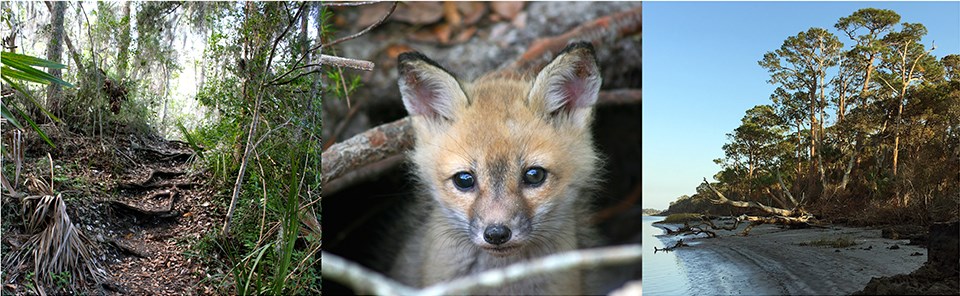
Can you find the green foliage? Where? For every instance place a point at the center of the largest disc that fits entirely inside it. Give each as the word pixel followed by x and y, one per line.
pixel 62 280
pixel 269 252
pixel 18 67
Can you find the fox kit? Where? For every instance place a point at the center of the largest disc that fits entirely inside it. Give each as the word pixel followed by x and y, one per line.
pixel 505 167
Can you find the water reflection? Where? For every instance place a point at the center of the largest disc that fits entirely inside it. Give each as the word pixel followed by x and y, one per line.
pixel 663 273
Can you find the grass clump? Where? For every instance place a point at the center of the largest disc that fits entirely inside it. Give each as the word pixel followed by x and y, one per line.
pixel 839 242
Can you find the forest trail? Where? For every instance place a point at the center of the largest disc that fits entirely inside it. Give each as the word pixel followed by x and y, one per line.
pixel 160 209
pixel 142 203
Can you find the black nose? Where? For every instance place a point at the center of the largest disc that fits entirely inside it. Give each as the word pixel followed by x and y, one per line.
pixel 496 234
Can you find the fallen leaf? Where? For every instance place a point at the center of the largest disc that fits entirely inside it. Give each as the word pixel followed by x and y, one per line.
pixel 451 14
pixel 443 32
pixel 472 11
pixel 370 14
pixel 418 13
pixel 507 9
pixel 465 35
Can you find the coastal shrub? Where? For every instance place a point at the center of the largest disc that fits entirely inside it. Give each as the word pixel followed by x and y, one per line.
pixel 680 218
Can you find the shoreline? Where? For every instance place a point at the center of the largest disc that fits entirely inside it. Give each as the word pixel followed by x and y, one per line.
pixel 772 260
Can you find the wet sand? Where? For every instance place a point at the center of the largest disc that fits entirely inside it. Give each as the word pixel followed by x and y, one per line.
pixel 771 261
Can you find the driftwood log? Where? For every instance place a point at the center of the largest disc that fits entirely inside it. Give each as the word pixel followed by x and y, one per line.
pixel 679 243
pixel 794 218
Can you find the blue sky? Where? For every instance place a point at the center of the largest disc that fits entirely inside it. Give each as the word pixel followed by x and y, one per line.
pixel 700 74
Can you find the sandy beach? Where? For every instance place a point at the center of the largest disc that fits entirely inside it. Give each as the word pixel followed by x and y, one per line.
pixel 772 260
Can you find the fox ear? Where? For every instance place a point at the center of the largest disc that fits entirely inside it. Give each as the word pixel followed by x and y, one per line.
pixel 428 89
pixel 568 86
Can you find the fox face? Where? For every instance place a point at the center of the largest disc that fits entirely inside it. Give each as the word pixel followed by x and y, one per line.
pixel 504 161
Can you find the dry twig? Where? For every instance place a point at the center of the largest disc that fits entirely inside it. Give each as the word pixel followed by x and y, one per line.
pixel 608 27
pixel 365 280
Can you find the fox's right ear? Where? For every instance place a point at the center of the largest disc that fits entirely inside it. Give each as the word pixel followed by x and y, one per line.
pixel 428 89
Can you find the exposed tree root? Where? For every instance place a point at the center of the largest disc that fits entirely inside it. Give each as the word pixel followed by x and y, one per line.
pixel 152 213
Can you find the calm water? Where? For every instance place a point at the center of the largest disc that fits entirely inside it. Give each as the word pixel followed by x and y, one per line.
pixel 663 273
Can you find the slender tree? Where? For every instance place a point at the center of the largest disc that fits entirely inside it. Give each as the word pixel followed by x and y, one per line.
pixel 124 46
pixel 54 51
pixel 905 62
pixel 801 65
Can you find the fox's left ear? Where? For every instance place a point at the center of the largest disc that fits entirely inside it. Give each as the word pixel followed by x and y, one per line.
pixel 568 87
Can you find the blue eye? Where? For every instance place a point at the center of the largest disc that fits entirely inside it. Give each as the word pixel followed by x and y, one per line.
pixel 534 176
pixel 463 181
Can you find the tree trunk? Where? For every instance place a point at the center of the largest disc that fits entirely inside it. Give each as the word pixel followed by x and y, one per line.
pixel 866 78
pixel 846 172
pixel 124 47
pixel 54 51
pixel 896 137
pixel 799 163
pixel 315 87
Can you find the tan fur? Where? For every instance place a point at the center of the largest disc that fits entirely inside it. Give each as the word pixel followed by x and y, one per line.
pixel 497 129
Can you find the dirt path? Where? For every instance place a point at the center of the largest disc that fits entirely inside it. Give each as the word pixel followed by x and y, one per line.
pixel 141 200
pixel 157 211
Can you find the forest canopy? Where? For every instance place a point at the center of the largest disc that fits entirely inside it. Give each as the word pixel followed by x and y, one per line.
pixel 863 127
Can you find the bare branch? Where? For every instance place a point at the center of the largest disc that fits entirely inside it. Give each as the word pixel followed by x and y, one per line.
pixel 608 27
pixel 373 145
pixel 333 60
pixel 365 30
pixel 721 199
pixel 365 280
pixel 341 4
pixel 786 191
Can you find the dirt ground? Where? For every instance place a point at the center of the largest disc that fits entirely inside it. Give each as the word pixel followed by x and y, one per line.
pixel 140 200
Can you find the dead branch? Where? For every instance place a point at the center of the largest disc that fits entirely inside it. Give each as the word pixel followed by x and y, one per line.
pixel 688 229
pixel 365 280
pixel 608 27
pixel 365 30
pixel 721 199
pixel 359 3
pixel 679 243
pixel 345 62
pixel 363 149
pixel 792 222
pixel 361 174
pixel 396 137
pixel 786 191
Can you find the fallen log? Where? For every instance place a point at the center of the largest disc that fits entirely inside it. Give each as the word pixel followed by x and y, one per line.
pixel 721 199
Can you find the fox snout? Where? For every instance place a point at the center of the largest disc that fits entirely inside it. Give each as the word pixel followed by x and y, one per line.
pixel 499 228
pixel 496 234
